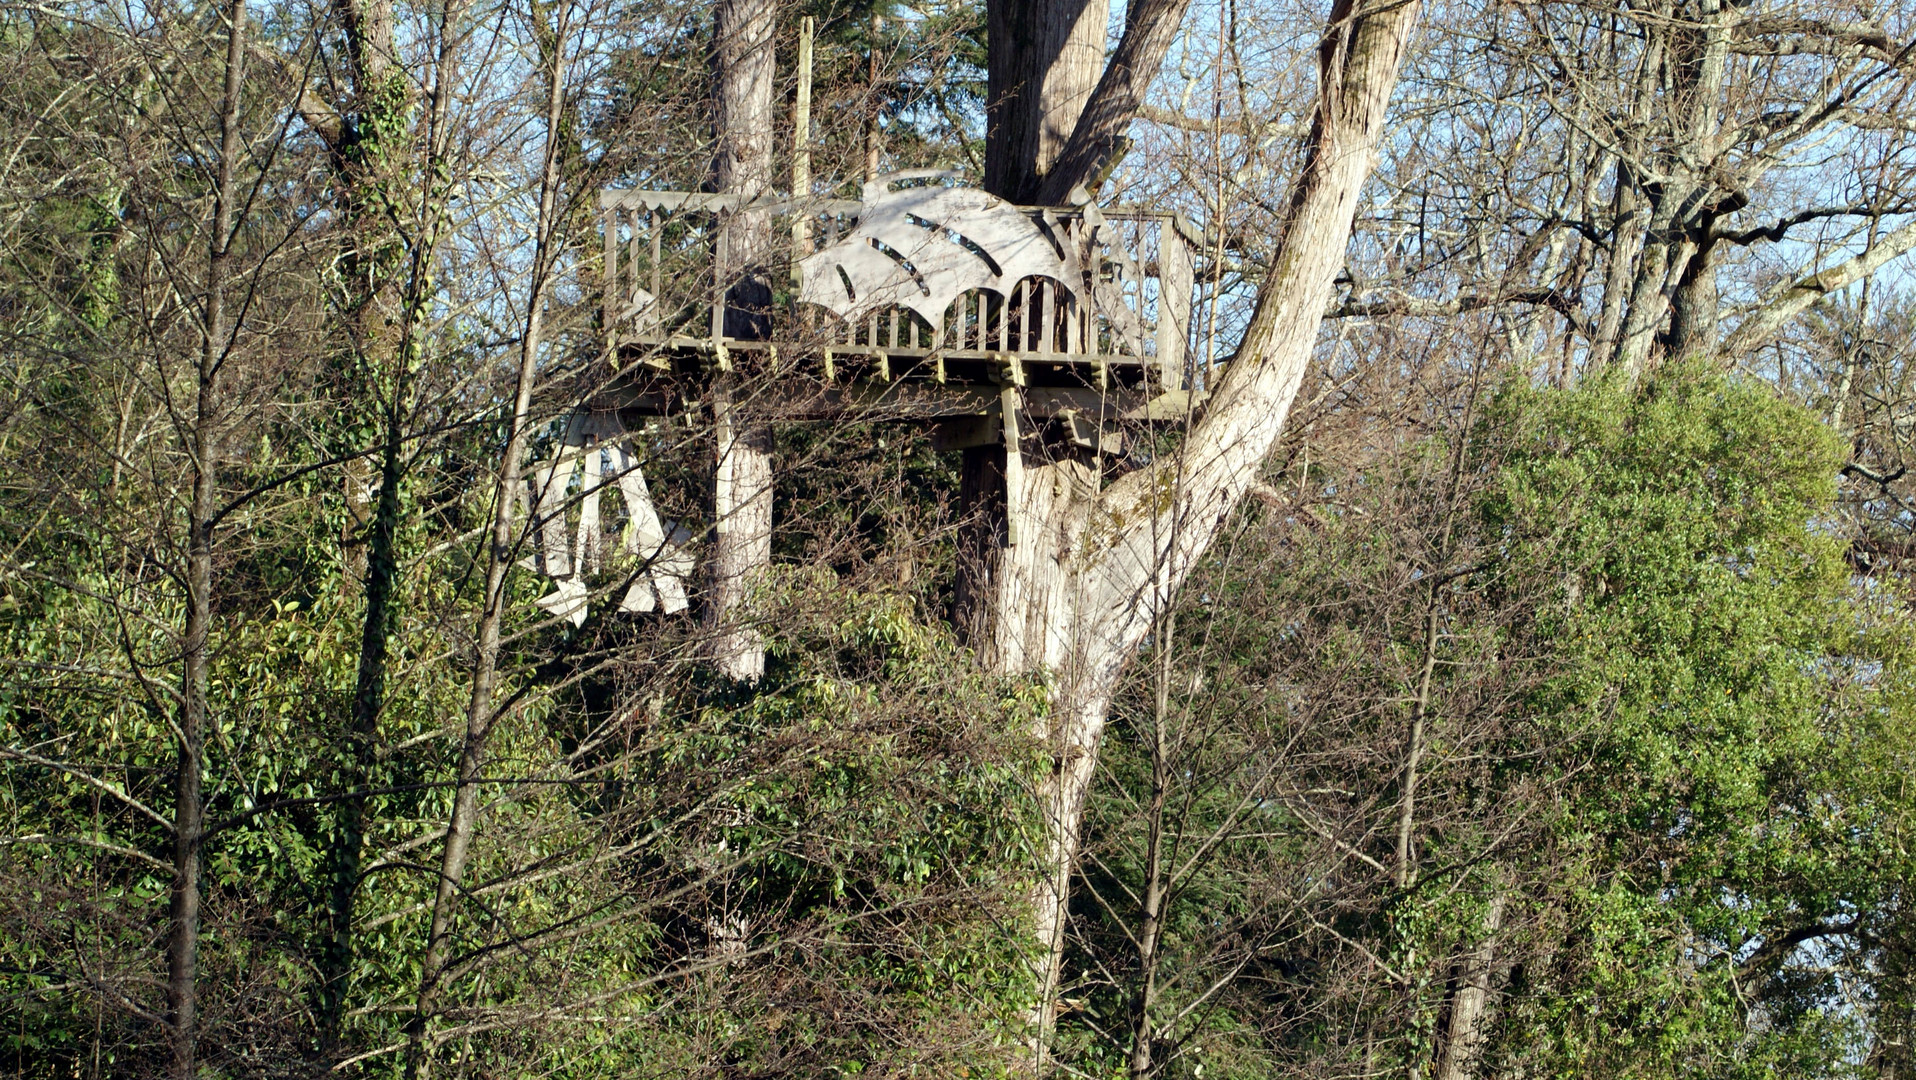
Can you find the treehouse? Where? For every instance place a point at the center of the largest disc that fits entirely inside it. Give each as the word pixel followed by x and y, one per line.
pixel 922 302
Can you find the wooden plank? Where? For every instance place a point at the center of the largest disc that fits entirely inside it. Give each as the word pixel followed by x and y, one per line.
pixel 1174 306
pixel 965 432
pixel 609 221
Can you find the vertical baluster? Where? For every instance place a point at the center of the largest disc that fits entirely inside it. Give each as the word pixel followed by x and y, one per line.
pixel 609 220
pixel 1050 315
pixel 639 228
pixel 894 328
pixel 653 227
pixel 1024 315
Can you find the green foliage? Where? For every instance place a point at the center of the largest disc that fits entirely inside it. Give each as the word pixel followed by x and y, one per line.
pixel 1724 674
pixel 1653 796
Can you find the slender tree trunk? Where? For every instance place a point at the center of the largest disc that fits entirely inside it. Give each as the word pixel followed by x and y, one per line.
pixel 183 937
pixel 1618 270
pixel 742 61
pixel 364 153
pixel 347 854
pixel 1404 871
pixel 1150 933
pixel 502 542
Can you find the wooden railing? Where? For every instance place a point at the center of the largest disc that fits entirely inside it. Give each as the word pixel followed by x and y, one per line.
pixel 1128 318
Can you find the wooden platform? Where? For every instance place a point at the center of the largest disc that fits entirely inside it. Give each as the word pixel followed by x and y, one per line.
pixel 922 300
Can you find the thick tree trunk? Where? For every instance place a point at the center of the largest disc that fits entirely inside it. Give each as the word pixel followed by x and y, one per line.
pixel 1693 304
pixel 1682 204
pixel 1097 137
pixel 1463 1036
pixel 742 60
pixel 183 934
pixel 1085 574
pixel 1044 58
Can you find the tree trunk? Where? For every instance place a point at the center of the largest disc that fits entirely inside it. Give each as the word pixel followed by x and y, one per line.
pixel 742 61
pixel 1693 305
pixel 1463 1037
pixel 481 714
pixel 1151 899
pixel 1044 62
pixel 1084 573
pixel 365 150
pixel 183 935
pixel 1676 249
pixel 1044 58
pixel 1097 137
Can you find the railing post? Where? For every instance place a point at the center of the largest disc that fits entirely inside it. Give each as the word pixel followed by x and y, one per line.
pixel 1174 303
pixel 609 220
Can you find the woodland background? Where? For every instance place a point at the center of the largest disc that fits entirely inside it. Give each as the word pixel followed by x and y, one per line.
pixel 1548 708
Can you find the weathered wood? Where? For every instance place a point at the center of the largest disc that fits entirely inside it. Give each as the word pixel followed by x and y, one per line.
pixel 965 432
pixel 802 146
pixel 741 532
pixel 1174 306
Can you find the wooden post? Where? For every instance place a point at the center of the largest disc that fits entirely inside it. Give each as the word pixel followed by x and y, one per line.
pixel 802 150
pixel 1008 402
pixel 609 216
pixel 1174 304
pixel 871 100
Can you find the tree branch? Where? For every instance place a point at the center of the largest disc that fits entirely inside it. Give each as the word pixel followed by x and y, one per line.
pixel 1763 323
pixel 1097 141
